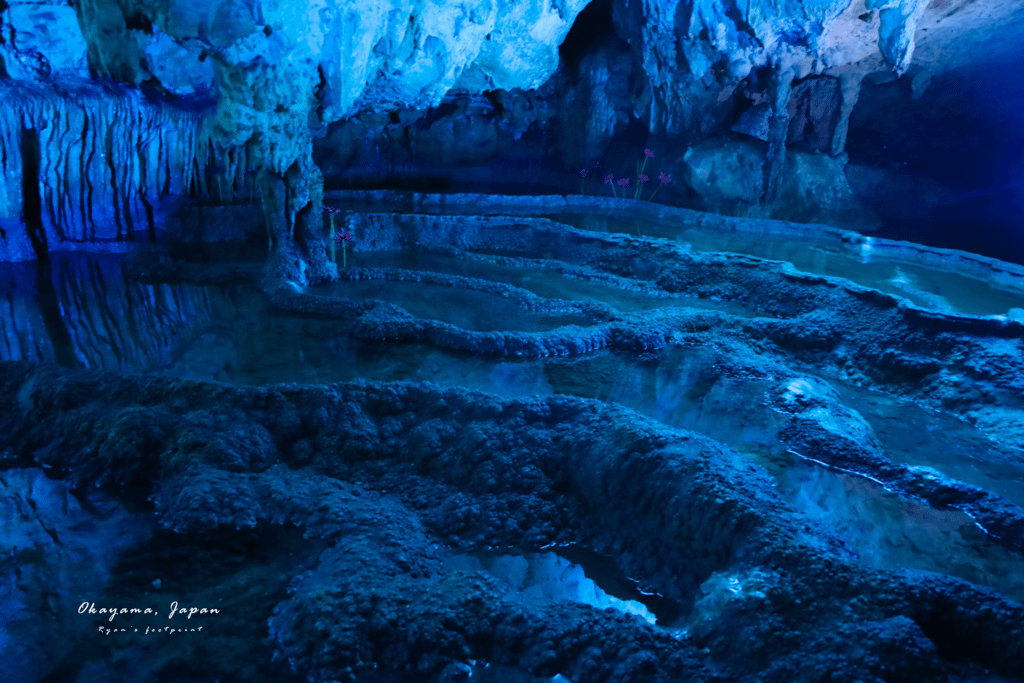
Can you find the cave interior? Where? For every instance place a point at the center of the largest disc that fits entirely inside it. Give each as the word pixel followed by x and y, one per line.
pixel 586 341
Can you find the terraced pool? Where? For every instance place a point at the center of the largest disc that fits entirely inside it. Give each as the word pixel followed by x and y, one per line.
pixel 679 372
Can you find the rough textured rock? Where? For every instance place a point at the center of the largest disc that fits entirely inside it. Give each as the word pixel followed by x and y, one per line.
pixel 282 71
pixel 813 112
pixel 612 130
pixel 375 594
pixel 729 177
pixel 743 432
pixel 281 65
pixel 735 432
pixel 40 40
pixel 89 164
pixel 679 73
pixel 47 532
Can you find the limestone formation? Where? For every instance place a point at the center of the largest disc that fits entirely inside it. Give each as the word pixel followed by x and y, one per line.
pixel 386 89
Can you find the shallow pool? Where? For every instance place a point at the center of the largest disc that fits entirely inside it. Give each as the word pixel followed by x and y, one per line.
pixel 924 286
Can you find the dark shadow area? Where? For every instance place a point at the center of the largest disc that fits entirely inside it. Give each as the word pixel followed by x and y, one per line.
pixel 964 133
pixel 989 223
pixel 592 30
pixel 31 202
pixel 49 307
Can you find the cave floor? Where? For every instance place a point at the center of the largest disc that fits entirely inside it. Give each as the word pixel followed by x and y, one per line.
pixel 737 431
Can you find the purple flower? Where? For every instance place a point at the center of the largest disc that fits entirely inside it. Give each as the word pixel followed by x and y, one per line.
pixel 584 172
pixel 623 182
pixel 331 210
pixel 648 153
pixel 665 178
pixel 608 179
pixel 642 177
pixel 343 236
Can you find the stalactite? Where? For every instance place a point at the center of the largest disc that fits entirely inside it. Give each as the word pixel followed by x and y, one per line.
pixel 849 88
pixel 779 89
pixel 109 160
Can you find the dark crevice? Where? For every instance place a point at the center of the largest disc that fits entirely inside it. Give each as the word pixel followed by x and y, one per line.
pixel 143 189
pixel 318 94
pixel 31 201
pixel 494 97
pixel 108 147
pixel 137 21
pixel 150 223
pixel 84 172
pixel 90 226
pixel 952 641
pixel 50 310
pixel 591 30
pixel 154 91
pixel 435 114
pixel 129 230
pixel 165 189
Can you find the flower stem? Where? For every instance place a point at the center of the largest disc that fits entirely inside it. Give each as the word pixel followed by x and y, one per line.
pixel 332 238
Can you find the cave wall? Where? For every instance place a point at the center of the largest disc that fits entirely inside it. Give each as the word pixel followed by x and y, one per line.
pixel 699 84
pixel 194 99
pixel 264 77
pixel 939 153
pixel 88 164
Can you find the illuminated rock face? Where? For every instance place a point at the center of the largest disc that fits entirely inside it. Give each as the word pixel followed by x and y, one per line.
pixel 88 164
pixel 276 73
pixel 41 39
pixel 284 68
pixel 371 85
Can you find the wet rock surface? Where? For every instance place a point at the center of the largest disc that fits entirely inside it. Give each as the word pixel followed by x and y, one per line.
pixel 516 97
pixel 803 443
pixel 734 445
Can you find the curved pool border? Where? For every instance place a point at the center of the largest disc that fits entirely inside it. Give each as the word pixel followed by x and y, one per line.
pixel 965 263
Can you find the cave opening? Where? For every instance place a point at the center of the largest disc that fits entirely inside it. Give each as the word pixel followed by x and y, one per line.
pixel 592 30
pixel 954 153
